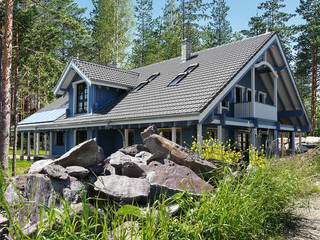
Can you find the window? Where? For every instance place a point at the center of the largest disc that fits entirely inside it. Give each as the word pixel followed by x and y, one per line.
pixel 82 98
pixel 181 76
pixel 81 136
pixel 239 95
pixel 59 138
pixel 144 83
pixel 225 104
pixel 262 97
pixel 167 133
pixel 249 95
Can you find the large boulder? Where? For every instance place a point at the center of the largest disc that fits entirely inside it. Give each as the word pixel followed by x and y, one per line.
pixel 122 164
pixel 38 166
pixel 85 154
pixel 149 131
pixel 77 171
pixel 133 150
pixel 168 177
pixel 161 147
pixel 56 171
pixel 122 188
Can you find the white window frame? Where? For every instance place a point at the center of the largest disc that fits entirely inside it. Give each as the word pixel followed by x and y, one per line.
pixel 74 86
pixel 235 94
pixel 264 97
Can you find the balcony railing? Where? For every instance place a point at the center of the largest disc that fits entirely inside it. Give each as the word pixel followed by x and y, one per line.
pixel 255 110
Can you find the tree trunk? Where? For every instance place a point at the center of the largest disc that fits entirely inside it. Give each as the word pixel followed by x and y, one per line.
pixel 314 87
pixel 183 16
pixel 15 105
pixel 5 88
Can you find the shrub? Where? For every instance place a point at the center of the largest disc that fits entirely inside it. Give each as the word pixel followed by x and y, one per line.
pixel 228 153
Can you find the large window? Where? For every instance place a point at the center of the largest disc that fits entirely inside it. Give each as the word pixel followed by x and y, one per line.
pixel 82 98
pixel 81 136
pixel 59 138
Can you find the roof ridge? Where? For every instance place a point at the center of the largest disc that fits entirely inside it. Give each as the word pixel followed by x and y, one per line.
pixel 213 96
pixel 104 66
pixel 207 49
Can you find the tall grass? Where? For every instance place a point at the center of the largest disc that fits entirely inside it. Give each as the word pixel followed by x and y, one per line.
pixel 256 205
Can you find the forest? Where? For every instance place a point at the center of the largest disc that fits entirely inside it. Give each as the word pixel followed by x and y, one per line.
pixel 38 38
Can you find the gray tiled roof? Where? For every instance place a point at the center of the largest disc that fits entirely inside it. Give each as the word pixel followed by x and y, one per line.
pixel 61 102
pixel 217 67
pixel 107 74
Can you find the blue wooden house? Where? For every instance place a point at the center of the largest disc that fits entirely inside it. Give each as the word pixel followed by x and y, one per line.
pixel 243 91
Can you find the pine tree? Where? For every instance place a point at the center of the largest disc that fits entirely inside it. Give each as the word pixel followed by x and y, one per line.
pixel 192 12
pixel 5 88
pixel 144 25
pixel 272 19
pixel 308 50
pixel 171 34
pixel 112 22
pixel 218 31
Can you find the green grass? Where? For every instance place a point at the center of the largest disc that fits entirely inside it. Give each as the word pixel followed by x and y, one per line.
pixel 21 166
pixel 41 152
pixel 256 206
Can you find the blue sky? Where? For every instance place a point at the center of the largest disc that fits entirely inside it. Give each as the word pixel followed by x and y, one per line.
pixel 239 14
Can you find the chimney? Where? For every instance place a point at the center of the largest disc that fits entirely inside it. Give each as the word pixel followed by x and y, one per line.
pixel 185 50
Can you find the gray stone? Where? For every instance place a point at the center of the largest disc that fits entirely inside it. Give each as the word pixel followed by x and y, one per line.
pixel 121 162
pixel 169 177
pixel 79 208
pixel 4 222
pixel 74 191
pixel 11 195
pixel 122 188
pixel 118 158
pixel 100 154
pixel 127 231
pixel 161 147
pixel 56 171
pixel 38 166
pixel 15 188
pixel 133 150
pixel 85 154
pixel 77 171
pixel 149 131
pixel 145 156
pixel 131 169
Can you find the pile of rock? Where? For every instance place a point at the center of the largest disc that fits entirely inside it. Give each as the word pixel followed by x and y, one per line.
pixel 136 174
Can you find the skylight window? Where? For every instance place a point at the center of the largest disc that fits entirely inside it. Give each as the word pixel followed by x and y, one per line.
pixel 181 76
pixel 144 83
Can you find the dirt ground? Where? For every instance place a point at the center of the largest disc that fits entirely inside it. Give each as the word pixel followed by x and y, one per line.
pixel 308 219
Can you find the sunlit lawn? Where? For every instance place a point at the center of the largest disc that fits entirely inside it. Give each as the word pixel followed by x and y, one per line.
pixel 41 152
pixel 21 166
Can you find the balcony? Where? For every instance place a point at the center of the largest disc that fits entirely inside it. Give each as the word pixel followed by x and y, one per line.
pixel 255 110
